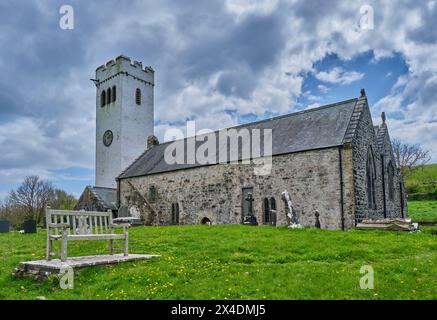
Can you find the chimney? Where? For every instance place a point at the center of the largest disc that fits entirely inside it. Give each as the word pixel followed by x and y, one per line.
pixel 152 141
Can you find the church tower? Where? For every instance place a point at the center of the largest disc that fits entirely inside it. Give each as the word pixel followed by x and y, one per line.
pixel 124 116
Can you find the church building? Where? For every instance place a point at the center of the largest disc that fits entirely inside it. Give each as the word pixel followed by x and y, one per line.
pixel 336 165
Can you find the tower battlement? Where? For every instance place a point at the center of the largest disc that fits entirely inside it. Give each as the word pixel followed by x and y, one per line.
pixel 125 65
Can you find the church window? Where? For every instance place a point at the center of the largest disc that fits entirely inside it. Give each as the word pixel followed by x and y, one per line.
pixel 108 96
pixel 175 213
pixel 266 211
pixel 390 174
pixel 114 94
pixel 152 194
pixel 370 179
pixel 138 97
pixel 103 98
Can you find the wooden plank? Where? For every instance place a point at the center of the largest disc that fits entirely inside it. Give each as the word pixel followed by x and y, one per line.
pixel 105 219
pixel 79 213
pixel 68 222
pixel 101 225
pixel 74 224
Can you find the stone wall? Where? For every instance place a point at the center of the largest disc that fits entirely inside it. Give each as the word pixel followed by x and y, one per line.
pixel 393 206
pixel 215 192
pixel 365 138
pixel 89 202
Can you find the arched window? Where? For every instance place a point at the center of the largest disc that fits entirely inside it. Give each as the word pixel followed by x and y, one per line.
pixel 108 96
pixel 273 203
pixel 114 94
pixel 175 213
pixel 138 97
pixel 266 211
pixel 103 98
pixel 370 179
pixel 390 174
pixel 273 212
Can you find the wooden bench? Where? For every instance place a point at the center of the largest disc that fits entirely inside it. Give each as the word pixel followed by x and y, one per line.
pixel 65 225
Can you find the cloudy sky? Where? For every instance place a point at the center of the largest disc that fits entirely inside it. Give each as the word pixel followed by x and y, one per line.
pixel 217 62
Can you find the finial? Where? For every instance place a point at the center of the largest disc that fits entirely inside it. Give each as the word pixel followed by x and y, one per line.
pixel 383 117
pixel 363 92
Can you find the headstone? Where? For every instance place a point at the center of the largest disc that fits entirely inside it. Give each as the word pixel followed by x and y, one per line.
pixel 29 226
pixel 250 219
pixel 293 221
pixel 4 226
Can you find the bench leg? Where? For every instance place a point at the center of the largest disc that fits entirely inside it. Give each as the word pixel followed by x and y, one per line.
pixel 64 247
pixel 49 249
pixel 126 244
pixel 111 247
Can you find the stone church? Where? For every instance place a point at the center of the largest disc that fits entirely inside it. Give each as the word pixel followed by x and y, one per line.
pixel 336 165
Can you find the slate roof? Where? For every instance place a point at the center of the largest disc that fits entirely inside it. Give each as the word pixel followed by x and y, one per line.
pixel 311 129
pixel 106 196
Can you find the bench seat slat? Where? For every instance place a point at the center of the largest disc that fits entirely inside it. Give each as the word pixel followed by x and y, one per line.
pixel 90 237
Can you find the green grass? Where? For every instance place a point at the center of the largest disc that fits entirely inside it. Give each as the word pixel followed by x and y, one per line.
pixel 423 210
pixel 422 180
pixel 238 262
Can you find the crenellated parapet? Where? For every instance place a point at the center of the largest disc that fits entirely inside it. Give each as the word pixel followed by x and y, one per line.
pixel 123 65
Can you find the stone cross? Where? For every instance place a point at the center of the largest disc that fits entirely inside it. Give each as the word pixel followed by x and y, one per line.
pixel 251 200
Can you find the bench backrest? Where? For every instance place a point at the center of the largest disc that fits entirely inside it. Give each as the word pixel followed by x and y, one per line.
pixel 81 222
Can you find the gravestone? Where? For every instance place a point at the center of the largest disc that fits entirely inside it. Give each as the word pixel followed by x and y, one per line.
pixel 29 226
pixel 4 226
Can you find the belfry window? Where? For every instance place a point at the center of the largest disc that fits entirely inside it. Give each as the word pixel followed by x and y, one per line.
pixel 390 174
pixel 114 94
pixel 108 96
pixel 103 98
pixel 370 179
pixel 138 97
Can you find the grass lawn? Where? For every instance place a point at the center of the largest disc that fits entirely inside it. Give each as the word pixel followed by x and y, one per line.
pixel 422 210
pixel 238 262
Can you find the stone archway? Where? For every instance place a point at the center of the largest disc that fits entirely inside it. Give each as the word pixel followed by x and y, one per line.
pixel 206 221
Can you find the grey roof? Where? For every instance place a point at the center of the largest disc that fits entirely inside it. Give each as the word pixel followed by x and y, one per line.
pixel 311 129
pixel 106 196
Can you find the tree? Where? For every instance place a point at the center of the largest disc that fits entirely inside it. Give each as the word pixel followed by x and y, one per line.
pixel 409 156
pixel 62 200
pixel 32 196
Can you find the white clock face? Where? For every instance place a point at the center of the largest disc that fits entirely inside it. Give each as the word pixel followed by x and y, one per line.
pixel 107 138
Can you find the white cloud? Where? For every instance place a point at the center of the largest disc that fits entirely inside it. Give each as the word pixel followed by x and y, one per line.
pixel 322 88
pixel 338 75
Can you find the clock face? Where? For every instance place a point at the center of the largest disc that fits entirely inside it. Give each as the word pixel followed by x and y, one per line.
pixel 107 138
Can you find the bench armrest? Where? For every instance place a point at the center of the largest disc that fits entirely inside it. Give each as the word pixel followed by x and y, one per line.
pixel 58 225
pixel 121 225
